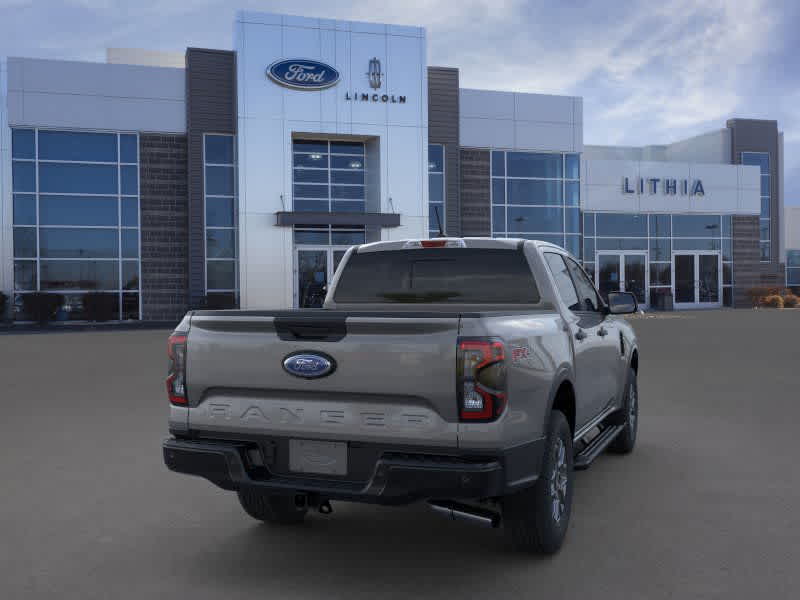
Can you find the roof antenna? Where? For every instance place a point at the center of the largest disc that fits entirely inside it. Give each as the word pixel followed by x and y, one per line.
pixel 439 222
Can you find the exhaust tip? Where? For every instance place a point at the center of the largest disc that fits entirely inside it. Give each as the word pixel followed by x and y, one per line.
pixel 458 511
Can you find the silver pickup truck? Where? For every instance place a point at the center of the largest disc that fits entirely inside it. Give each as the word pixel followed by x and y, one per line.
pixel 474 374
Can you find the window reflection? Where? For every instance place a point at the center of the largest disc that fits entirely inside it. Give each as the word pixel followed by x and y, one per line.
pixel 436 193
pixel 530 191
pixel 220 213
pixel 73 233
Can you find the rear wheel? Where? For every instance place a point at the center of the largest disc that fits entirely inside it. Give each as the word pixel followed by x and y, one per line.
pixel 536 519
pixel 271 508
pixel 626 439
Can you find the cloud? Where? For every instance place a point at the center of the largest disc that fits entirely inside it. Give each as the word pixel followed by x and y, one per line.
pixel 649 72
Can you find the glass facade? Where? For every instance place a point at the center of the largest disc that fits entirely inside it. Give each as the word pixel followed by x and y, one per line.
pixel 793 268
pixel 658 236
pixel 328 176
pixel 536 195
pixel 221 223
pixel 327 235
pixel 761 160
pixel 436 189
pixel 76 219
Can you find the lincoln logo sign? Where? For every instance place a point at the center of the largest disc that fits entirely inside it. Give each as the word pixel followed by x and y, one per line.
pixel 302 74
pixel 667 186
pixel 375 79
pixel 374 74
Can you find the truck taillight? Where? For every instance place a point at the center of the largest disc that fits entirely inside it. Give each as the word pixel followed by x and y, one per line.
pixel 176 376
pixel 481 379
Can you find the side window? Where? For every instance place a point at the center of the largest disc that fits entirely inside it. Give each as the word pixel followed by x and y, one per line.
pixel 587 295
pixel 563 281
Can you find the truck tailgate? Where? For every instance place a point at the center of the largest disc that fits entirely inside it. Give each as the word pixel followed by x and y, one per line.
pixel 394 378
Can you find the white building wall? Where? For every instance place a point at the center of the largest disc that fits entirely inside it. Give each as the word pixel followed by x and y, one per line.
pixel 82 95
pixel 148 58
pixel 791 228
pixel 270 114
pixel 713 147
pixel 729 189
pixel 490 119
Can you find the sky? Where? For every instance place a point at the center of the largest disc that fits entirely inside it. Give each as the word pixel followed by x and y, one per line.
pixel 649 72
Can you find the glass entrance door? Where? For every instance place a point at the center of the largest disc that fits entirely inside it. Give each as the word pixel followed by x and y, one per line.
pixel 684 279
pixel 708 279
pixel 312 277
pixel 314 268
pixel 697 279
pixel 634 271
pixel 622 272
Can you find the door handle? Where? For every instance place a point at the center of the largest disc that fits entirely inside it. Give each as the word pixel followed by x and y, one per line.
pixel 602 332
pixel 580 334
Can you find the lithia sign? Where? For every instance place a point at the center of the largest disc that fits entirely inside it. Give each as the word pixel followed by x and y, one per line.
pixel 306 74
pixel 667 186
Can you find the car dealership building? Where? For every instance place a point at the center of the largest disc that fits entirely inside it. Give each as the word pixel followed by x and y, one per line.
pixel 238 178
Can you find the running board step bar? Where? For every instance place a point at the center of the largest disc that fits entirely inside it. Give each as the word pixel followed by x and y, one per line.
pixel 593 449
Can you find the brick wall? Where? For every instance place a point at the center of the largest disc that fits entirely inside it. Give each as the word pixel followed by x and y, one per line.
pixel 746 253
pixel 476 217
pixel 165 226
pixel 748 271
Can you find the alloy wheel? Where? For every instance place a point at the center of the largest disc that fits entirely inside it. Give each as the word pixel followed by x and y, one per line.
pixel 558 482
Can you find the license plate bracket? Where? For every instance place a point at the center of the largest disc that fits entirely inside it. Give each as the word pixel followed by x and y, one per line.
pixel 314 456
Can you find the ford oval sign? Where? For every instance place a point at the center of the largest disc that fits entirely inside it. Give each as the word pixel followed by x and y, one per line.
pixel 303 74
pixel 309 365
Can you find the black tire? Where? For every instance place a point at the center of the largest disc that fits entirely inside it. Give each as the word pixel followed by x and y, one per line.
pixel 626 439
pixel 271 508
pixel 529 516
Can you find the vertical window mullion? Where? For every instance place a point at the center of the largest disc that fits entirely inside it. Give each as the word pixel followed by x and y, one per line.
pixel 205 225
pixel 139 222
pixel 119 231
pixel 36 173
pixel 330 177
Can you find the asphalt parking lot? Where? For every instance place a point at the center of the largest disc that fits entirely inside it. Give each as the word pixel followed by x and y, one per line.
pixel 706 506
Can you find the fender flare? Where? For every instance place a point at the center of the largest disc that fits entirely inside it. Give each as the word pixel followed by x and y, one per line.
pixel 562 374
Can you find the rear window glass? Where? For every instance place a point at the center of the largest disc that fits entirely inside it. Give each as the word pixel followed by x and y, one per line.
pixel 438 275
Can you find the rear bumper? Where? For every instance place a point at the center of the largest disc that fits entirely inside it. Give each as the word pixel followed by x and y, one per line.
pixel 396 479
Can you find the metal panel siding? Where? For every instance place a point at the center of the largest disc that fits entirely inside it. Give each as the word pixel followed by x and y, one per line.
pixel 443 128
pixel 87 95
pixel 210 108
pixel 753 135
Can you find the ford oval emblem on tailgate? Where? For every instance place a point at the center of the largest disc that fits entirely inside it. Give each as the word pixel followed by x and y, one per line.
pixel 309 365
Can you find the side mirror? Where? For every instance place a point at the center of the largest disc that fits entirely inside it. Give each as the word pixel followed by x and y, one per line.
pixel 622 303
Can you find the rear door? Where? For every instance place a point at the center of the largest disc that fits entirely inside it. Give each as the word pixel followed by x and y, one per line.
pixel 593 338
pixel 393 376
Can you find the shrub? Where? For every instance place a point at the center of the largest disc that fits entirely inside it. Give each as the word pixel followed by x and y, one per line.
pixel 758 295
pixel 773 301
pixel 790 301
pixel 41 306
pixel 99 306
